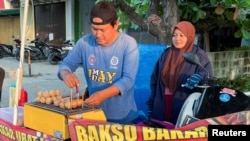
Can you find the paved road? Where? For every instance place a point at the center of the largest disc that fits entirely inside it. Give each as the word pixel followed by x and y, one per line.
pixel 39 75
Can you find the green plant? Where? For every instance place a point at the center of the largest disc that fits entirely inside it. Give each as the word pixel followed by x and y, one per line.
pixel 239 83
pixel 159 16
pixel 243 48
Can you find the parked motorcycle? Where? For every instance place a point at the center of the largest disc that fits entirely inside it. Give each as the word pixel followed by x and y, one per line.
pixel 39 52
pixel 58 54
pixel 17 45
pixel 213 101
pixel 6 50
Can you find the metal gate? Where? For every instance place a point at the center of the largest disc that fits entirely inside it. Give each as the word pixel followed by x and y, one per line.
pixel 50 22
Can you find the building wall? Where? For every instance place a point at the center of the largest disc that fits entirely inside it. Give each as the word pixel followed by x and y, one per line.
pixel 230 64
pixel 84 16
pixel 31 23
pixel 1 4
pixel 9 26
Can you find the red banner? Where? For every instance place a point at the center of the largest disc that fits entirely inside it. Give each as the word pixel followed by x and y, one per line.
pixel 87 130
pixel 9 132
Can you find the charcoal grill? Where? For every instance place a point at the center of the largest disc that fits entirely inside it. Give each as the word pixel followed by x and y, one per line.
pixel 54 121
pixel 66 112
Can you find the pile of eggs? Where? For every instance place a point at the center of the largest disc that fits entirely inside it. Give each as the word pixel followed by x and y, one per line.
pixel 54 97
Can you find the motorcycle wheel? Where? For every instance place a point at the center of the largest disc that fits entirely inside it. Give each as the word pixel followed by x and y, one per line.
pixel 26 56
pixel 17 55
pixel 53 60
pixel 1 53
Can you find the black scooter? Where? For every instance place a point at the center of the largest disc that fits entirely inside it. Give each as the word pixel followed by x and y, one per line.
pixel 58 54
pixel 39 52
pixel 17 46
pixel 213 101
pixel 6 50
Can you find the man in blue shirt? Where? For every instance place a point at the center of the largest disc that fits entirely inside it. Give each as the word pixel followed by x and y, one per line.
pixel 110 61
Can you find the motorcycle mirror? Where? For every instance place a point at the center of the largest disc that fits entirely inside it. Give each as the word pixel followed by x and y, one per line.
pixel 192 58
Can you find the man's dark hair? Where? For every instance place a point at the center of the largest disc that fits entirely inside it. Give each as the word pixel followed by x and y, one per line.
pixel 104 10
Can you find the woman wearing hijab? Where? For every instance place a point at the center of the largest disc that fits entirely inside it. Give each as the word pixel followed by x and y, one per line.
pixel 171 71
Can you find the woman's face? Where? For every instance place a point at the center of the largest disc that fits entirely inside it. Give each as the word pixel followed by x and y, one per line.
pixel 179 40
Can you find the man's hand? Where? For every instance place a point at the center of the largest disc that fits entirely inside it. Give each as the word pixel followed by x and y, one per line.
pixel 70 79
pixel 95 99
pixel 98 97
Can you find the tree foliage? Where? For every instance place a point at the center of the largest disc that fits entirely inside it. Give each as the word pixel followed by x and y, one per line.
pixel 235 13
pixel 159 16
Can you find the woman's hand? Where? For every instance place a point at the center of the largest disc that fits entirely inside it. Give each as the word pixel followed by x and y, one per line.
pixel 193 81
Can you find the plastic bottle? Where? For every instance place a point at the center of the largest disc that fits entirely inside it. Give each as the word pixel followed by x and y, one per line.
pixel 12 91
pixel 23 97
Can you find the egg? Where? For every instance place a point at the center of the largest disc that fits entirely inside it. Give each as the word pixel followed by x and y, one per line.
pixel 59 97
pixel 79 102
pixel 56 102
pixel 46 94
pixel 58 92
pixel 39 93
pixel 37 99
pixel 48 100
pixel 54 98
pixel 42 100
pixel 52 93
pixel 66 99
pixel 62 104
pixel 68 105
pixel 74 104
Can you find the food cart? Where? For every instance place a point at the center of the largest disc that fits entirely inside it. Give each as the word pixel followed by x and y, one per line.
pixel 56 127
pixel 37 120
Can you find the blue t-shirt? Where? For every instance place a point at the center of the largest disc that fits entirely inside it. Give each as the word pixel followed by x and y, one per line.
pixel 116 64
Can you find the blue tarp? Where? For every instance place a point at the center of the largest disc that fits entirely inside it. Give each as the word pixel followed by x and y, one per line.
pixel 149 54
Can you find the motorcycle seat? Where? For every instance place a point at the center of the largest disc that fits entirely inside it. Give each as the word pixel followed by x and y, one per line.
pixel 219 100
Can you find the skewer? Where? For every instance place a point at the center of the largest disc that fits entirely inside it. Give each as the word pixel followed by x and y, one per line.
pixel 83 99
pixel 36 89
pixel 71 93
pixel 83 94
pixel 77 92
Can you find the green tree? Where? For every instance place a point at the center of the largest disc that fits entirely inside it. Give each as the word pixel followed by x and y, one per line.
pixel 207 13
pixel 159 16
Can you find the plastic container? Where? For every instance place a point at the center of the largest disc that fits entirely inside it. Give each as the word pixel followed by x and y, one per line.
pixel 12 91
pixel 7 115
